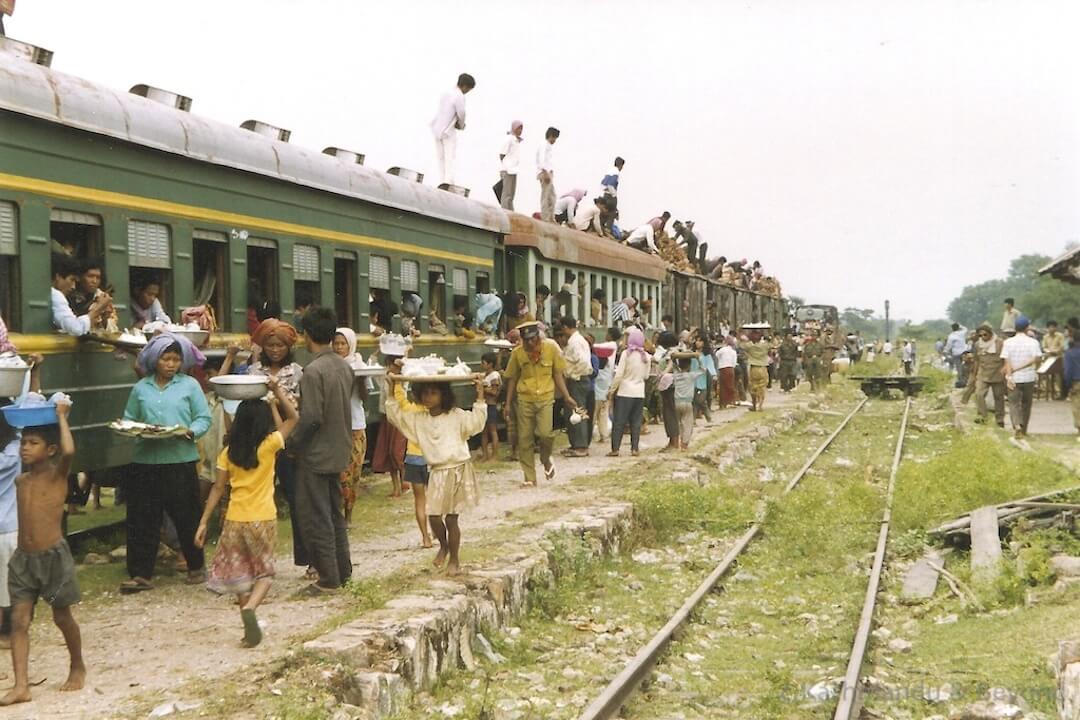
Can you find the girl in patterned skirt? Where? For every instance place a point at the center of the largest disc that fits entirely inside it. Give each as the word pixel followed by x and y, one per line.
pixel 244 562
pixel 443 433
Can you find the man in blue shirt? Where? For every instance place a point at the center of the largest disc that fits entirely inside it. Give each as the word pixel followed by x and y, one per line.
pixel 955 347
pixel 610 183
pixel 1072 379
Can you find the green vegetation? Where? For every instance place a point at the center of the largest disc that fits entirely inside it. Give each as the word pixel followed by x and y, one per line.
pixel 1040 298
pixel 669 508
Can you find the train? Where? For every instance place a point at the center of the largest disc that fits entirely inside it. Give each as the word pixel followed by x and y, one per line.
pixel 212 211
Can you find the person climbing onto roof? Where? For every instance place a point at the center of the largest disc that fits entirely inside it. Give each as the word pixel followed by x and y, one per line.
pixel 610 182
pixel 566 206
pixel 588 217
pixel 644 235
pixel 448 120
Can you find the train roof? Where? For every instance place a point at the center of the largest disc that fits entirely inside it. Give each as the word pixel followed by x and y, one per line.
pixel 37 91
pixel 1065 267
pixel 558 242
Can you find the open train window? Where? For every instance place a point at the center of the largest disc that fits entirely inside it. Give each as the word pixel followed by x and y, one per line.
pixel 565 295
pixel 262 264
pixel 210 260
pixel 9 265
pixel 461 294
pixel 149 262
pixel 483 282
pixel 411 301
pixel 77 234
pixel 437 292
pixel 306 289
pixel 345 287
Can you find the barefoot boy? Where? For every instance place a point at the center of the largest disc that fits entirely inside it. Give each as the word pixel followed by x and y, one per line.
pixel 42 566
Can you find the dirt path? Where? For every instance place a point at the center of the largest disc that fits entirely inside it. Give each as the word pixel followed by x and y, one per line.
pixel 154 642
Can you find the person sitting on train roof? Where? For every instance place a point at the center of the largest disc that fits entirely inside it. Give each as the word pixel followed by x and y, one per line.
pixel 566 206
pixel 145 302
pixel 610 182
pixel 64 277
pixel 588 217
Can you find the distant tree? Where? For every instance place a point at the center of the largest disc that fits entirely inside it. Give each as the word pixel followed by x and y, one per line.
pixel 1040 298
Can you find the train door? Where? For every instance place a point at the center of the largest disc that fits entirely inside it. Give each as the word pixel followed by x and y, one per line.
pixel 345 295
pixel 262 264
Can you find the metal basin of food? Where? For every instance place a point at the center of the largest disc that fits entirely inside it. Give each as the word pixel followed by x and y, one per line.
pixel 239 387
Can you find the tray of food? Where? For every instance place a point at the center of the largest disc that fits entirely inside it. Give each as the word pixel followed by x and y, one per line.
pixel 501 344
pixel 369 371
pixel 146 431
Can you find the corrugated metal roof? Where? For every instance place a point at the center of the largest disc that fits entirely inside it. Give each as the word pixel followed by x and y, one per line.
pixel 40 92
pixel 1064 267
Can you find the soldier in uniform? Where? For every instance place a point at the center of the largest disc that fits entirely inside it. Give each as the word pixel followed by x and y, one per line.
pixel 828 354
pixel 788 353
pixel 811 353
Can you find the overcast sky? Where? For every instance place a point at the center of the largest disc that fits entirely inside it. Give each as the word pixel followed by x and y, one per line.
pixel 861 150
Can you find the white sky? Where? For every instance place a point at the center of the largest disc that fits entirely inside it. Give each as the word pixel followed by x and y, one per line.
pixel 861 150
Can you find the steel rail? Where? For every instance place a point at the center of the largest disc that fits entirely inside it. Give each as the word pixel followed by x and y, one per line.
pixel 850 696
pixel 618 691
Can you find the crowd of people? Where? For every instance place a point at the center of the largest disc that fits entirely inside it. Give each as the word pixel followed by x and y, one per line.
pixel 1014 364
pixel 683 248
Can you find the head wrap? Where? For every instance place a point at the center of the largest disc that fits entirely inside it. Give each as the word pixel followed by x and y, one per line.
pixel 985 326
pixel 152 352
pixel 352 358
pixel 635 342
pixel 629 302
pixel 514 125
pixel 272 327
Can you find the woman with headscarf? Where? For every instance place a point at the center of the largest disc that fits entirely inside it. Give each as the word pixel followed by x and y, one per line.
pixel 345 345
pixel 276 339
pixel 628 391
pixel 163 475
pixel 665 384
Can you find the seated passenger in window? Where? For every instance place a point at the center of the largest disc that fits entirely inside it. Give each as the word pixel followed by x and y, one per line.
pixel 304 302
pixel 145 305
pixel 488 311
pixel 411 304
pixel 87 290
pixel 381 310
pixel 65 272
pixel 463 325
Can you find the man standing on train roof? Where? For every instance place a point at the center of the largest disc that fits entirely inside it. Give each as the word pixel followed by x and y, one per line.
pixel 509 159
pixel 610 182
pixel 533 374
pixel 566 206
pixel 788 353
pixel 1008 319
pixel 545 173
pixel 448 120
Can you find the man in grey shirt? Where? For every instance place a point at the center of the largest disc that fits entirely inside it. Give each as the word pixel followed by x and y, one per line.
pixel 322 443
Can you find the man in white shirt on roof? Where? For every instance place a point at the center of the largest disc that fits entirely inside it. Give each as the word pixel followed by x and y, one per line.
pixel 566 206
pixel 509 159
pixel 587 217
pixel 645 235
pixel 545 173
pixel 450 118
pixel 1021 354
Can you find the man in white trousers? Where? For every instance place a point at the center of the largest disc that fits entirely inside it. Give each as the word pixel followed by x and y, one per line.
pixel 448 120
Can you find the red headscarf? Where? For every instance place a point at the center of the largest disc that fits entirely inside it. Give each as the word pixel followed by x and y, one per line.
pixel 272 327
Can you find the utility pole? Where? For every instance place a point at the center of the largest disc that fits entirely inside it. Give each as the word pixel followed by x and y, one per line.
pixel 886 321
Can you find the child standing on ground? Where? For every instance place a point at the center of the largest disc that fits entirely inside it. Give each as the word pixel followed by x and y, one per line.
pixel 416 470
pixel 443 433
pixel 684 381
pixel 244 563
pixel 42 566
pixel 492 384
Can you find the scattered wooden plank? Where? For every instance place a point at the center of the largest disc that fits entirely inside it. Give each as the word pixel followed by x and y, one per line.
pixel 1048 505
pixel 985 543
pixel 964 520
pixel 921 579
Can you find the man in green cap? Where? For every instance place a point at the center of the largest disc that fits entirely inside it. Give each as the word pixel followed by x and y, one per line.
pixel 534 372
pixel 789 358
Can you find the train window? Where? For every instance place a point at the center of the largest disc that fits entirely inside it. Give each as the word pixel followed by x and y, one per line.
pixel 148 244
pixel 552 309
pixel 538 280
pixel 76 234
pixel 149 260
pixel 411 302
pixel 210 260
pixel 379 272
pixel 345 287
pixel 461 293
pixel 306 290
pixel 565 295
pixel 437 292
pixel 262 263
pixel 9 264
pixel 483 282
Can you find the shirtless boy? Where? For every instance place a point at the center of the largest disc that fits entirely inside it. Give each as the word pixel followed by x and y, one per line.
pixel 42 566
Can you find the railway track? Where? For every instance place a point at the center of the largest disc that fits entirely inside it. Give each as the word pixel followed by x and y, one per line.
pixel 609 702
pixel 626 684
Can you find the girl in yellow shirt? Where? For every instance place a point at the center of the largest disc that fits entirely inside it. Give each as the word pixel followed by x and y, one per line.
pixel 244 562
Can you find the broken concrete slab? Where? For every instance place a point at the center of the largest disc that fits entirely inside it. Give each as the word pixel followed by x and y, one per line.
pixel 985 543
pixel 1065 566
pixel 920 581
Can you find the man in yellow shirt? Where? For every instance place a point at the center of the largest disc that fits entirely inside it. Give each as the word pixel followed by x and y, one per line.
pixel 533 374
pixel 1053 345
